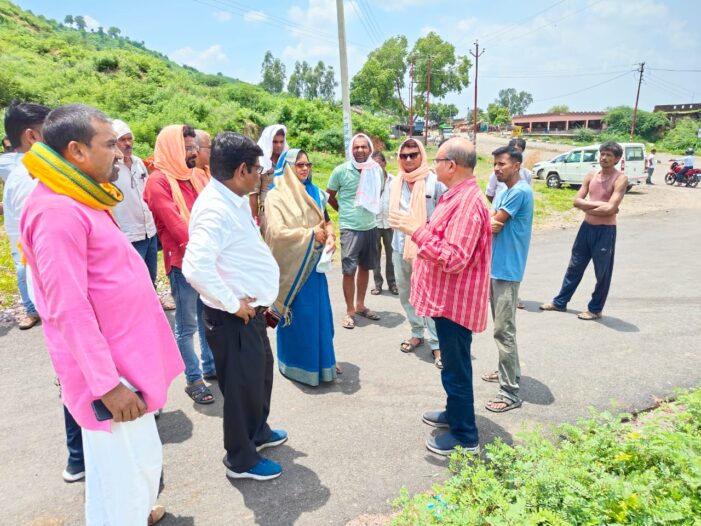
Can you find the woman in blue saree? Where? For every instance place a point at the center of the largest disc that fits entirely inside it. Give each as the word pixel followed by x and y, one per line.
pixel 298 231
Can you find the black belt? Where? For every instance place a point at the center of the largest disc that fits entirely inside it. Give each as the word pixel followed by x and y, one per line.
pixel 260 309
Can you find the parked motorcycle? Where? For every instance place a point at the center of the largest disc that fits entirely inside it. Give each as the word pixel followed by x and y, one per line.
pixel 691 178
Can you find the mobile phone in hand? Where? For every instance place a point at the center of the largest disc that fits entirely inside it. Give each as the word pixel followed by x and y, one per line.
pixel 101 411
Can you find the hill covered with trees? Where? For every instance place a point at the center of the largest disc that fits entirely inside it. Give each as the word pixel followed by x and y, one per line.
pixel 45 61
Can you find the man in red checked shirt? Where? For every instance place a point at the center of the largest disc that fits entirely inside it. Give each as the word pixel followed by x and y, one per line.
pixel 450 283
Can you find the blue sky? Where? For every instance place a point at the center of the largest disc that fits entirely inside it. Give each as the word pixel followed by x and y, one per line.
pixel 576 52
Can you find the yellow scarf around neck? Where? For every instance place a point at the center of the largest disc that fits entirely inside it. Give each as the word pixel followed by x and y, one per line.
pixel 62 177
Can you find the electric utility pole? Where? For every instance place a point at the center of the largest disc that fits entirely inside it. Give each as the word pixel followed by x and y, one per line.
pixel 345 95
pixel 428 96
pixel 637 97
pixel 477 54
pixel 411 102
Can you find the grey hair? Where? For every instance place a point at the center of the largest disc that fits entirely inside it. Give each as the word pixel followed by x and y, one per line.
pixel 460 155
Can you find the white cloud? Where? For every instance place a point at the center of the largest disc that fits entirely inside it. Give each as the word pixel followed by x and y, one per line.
pixel 209 59
pixel 222 16
pixel 90 23
pixel 255 16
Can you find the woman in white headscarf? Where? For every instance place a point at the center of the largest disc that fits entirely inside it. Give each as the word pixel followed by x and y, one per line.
pixel 273 141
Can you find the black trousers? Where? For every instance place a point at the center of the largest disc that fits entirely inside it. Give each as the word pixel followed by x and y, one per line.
pixel 244 362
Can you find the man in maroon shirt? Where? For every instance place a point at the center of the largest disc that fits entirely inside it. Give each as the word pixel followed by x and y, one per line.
pixel 450 283
pixel 170 192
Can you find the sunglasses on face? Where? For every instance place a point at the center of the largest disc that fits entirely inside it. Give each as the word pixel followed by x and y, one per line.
pixel 407 156
pixel 303 165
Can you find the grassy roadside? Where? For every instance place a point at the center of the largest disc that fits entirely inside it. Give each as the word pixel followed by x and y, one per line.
pixel 642 470
pixel 549 204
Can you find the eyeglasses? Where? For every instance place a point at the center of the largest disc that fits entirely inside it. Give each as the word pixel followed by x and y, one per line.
pixel 439 159
pixel 192 149
pixel 407 156
pixel 258 168
pixel 304 165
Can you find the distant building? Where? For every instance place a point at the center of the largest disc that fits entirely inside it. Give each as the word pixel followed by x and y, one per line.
pixel 680 111
pixel 560 123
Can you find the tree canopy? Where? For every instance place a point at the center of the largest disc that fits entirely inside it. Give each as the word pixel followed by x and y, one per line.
pixel 273 73
pixel 647 124
pixel 559 108
pixel 516 102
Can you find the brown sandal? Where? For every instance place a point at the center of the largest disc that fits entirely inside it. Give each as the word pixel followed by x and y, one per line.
pixel 491 377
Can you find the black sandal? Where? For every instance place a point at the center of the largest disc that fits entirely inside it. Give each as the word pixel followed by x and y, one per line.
pixel 407 346
pixel 200 393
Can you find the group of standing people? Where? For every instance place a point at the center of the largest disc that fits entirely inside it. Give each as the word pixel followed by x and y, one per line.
pixel 247 241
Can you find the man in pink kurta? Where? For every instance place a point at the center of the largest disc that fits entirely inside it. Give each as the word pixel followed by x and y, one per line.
pixel 103 324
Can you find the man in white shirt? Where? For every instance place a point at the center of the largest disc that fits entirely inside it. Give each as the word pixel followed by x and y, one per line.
pixel 650 163
pixel 494 187
pixel 8 159
pixel 235 273
pixel 384 233
pixel 133 214
pixel 23 124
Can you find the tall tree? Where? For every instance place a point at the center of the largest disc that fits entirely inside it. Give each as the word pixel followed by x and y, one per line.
pixel 380 81
pixel 517 102
pixel 497 114
pixel 327 84
pixel 449 72
pixel 68 20
pixel 80 22
pixel 273 72
pixel 441 113
pixel 114 32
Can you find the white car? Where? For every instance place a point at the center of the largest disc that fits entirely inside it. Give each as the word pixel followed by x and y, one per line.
pixel 540 168
pixel 579 162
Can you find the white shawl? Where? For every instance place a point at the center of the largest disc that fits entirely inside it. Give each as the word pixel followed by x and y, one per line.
pixel 266 144
pixel 371 177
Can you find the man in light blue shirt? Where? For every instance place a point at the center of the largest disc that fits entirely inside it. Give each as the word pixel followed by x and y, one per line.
pixel 688 165
pixel 512 221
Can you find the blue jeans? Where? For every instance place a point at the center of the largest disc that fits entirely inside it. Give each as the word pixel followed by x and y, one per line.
pixel 74 442
pixel 22 282
pixel 597 243
pixel 188 319
pixel 455 343
pixel 148 250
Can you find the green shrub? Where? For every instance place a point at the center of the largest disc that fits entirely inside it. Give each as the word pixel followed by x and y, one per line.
pixel 107 64
pixel 328 141
pixel 601 471
pixel 584 135
pixel 681 137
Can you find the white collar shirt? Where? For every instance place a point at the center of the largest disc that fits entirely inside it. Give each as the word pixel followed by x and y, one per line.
pixel 7 162
pixel 226 258
pixel 132 214
pixel 17 188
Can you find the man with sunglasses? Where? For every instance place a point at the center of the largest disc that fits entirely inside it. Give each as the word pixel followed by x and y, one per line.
pixel 415 192
pixel 133 214
pixel 450 283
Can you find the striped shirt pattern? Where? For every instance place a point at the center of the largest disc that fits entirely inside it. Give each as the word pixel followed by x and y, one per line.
pixel 450 278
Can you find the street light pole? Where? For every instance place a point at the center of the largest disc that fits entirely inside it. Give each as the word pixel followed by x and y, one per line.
pixel 477 54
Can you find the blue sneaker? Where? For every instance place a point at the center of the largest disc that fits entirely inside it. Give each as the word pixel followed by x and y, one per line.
pixel 435 419
pixel 265 470
pixel 277 437
pixel 446 445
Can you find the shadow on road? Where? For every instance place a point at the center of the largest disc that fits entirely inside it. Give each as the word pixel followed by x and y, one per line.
pixel 535 392
pixel 531 306
pixel 387 319
pixel 347 383
pixel 618 324
pixel 174 427
pixel 283 500
pixel 172 520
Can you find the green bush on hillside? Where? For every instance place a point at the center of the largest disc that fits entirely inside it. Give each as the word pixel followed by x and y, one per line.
pixel 682 136
pixel 45 62
pixel 601 471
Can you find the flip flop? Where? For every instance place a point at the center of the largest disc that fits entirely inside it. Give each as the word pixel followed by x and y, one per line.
pixel 348 322
pixel 491 377
pixel 376 291
pixel 588 315
pixel 369 314
pixel 407 347
pixel 437 360
pixel 394 290
pixel 510 404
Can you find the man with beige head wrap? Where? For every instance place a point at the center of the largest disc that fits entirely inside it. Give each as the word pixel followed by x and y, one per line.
pixel 170 192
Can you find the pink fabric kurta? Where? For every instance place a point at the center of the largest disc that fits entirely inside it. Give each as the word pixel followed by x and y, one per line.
pixel 101 316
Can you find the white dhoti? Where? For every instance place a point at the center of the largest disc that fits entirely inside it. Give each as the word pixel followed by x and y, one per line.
pixel 122 472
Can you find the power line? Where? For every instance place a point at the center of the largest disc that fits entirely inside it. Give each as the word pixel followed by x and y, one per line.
pixel 373 20
pixel 366 26
pixel 667 89
pixel 554 75
pixel 670 85
pixel 677 70
pixel 587 88
pixel 501 42
pixel 514 26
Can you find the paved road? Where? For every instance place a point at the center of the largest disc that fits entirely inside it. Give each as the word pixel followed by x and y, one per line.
pixel 354 444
